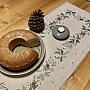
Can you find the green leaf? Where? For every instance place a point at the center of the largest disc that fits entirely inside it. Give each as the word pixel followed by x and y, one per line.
pixel 73 13
pixel 23 88
pixel 83 27
pixel 51 69
pixel 67 17
pixel 57 57
pixel 64 17
pixel 87 20
pixel 18 89
pixel 47 73
pixel 61 52
pixel 62 14
pixel 57 52
pixel 81 18
pixel 50 23
pixel 42 36
pixel 73 40
pixel 73 36
pixel 77 41
pixel 68 12
pixel 61 58
pixel 39 70
pixel 42 33
pixel 41 76
pixel 88 29
pixel 44 68
pixel 66 52
pixel 78 37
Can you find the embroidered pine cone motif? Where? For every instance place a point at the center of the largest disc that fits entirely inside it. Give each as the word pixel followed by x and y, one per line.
pixel 36 21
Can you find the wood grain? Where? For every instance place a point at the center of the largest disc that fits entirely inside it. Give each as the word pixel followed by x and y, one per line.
pixel 80 79
pixel 14 14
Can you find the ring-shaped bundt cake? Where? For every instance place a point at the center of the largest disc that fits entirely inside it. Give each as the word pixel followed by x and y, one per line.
pixel 22 59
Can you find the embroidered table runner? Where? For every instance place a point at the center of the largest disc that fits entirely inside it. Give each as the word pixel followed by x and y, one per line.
pixel 62 57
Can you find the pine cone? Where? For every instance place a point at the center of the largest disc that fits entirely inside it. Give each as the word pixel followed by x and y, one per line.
pixel 36 21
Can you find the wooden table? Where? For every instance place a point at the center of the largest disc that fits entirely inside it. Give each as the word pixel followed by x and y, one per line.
pixel 14 14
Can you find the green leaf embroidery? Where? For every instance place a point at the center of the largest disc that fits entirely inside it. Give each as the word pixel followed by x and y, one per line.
pixel 62 14
pixel 73 13
pixel 61 52
pixel 59 18
pixel 57 52
pixel 66 52
pixel 87 20
pixel 61 59
pixel 51 69
pixel 50 23
pixel 42 36
pixel 64 56
pixel 54 22
pixel 44 68
pixel 77 37
pixel 67 17
pixel 68 12
pixel 23 88
pixel 88 29
pixel 47 73
pixel 39 70
pixel 83 27
pixel 42 33
pixel 77 41
pixel 57 57
pixel 41 76
pixel 72 40
pixel 73 36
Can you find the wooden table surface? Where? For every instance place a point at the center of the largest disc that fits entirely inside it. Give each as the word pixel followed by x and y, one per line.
pixel 14 15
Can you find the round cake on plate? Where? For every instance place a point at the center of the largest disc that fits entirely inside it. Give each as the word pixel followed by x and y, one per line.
pixel 22 59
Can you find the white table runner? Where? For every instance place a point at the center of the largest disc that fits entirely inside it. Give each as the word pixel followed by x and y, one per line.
pixel 62 57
